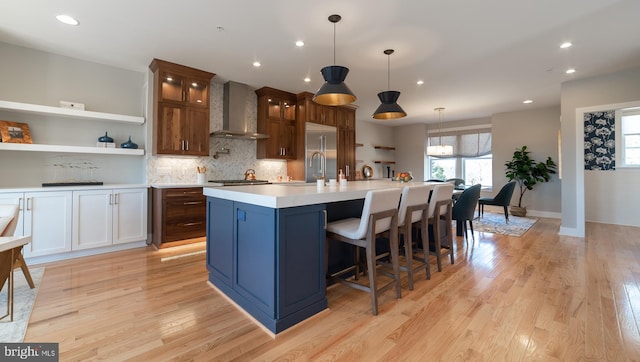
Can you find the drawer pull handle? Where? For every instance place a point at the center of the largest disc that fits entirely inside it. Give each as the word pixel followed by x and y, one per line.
pixel 193 203
pixel 192 223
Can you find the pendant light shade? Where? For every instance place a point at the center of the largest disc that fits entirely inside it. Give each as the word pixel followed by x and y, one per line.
pixel 439 150
pixel 334 92
pixel 389 108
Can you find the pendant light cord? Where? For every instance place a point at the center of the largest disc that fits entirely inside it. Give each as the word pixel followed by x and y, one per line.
pixel 388 71
pixel 334 43
pixel 440 110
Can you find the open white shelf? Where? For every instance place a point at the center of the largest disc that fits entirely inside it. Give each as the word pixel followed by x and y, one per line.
pixel 69 113
pixel 69 149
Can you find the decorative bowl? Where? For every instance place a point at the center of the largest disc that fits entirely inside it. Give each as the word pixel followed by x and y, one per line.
pixel 403 177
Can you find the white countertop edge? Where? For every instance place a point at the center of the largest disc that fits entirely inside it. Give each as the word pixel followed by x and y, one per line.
pixel 73 188
pixel 283 196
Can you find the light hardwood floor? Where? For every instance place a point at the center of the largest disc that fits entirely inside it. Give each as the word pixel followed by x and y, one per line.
pixel 540 297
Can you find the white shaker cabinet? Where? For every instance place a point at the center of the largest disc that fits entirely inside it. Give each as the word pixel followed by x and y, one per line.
pixel 46 216
pixel 107 217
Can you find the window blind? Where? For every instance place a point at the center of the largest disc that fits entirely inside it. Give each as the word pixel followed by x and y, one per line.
pixel 466 143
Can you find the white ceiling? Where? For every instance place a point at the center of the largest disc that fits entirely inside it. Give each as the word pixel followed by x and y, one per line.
pixel 476 58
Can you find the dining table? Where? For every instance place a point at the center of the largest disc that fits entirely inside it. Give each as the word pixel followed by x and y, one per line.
pixel 10 250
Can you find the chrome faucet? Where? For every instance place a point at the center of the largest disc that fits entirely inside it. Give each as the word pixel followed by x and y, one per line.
pixel 323 161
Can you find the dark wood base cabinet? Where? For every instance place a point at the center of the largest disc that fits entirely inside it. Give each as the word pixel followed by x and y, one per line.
pixel 179 216
pixel 269 261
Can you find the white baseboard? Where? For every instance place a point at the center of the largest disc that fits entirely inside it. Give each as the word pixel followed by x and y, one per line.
pixel 534 213
pixel 565 231
pixel 80 253
pixel 547 214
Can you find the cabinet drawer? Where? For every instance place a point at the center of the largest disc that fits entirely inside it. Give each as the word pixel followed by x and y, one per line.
pixel 186 229
pixel 195 193
pixel 179 214
pixel 191 210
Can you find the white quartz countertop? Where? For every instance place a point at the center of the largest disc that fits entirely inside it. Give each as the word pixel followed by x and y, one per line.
pixel 74 187
pixel 291 195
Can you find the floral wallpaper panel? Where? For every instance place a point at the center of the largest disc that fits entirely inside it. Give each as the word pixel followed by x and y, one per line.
pixel 599 141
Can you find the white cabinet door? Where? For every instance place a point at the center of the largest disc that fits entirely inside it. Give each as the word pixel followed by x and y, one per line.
pixel 106 217
pixel 129 215
pixel 15 198
pixel 47 218
pixel 92 219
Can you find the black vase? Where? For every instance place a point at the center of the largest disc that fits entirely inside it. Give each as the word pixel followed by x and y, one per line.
pixel 129 144
pixel 105 138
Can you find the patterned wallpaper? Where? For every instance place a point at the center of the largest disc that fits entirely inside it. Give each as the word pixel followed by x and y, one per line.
pixel 241 156
pixel 599 141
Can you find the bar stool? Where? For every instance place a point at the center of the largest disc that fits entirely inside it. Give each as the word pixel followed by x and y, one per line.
pixel 414 208
pixel 440 206
pixel 379 215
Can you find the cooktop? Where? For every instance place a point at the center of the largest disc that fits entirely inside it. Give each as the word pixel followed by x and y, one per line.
pixel 239 182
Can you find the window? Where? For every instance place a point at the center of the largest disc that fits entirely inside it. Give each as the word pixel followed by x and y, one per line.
pixel 477 170
pixel 474 170
pixel 630 130
pixel 443 168
pixel 471 159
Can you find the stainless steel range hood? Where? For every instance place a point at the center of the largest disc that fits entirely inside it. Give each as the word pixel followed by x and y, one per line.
pixel 235 118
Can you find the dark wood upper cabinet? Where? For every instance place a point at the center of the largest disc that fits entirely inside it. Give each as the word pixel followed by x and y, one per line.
pixel 277 118
pixel 310 111
pixel 346 120
pixel 181 109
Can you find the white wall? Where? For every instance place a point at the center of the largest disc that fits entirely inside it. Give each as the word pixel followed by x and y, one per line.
pixel 610 196
pixel 410 149
pixel 371 134
pixel 538 130
pixel 31 76
pixel 595 92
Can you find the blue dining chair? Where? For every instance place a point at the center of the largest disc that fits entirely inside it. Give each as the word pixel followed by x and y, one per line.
pixel 503 198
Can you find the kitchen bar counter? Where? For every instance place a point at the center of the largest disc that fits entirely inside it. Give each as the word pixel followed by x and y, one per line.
pixel 266 245
pixel 297 194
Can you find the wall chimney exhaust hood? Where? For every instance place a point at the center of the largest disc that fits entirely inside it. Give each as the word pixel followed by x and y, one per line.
pixel 235 120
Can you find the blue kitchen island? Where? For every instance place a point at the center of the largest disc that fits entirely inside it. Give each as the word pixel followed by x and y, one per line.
pixel 266 246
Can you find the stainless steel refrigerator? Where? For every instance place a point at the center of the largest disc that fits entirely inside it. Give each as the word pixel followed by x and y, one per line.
pixel 320 152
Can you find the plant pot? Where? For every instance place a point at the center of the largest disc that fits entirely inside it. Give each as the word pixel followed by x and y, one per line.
pixel 518 211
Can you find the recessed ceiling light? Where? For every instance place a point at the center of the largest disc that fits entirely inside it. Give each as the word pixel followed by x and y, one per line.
pixel 67 19
pixel 256 64
pixel 299 43
pixel 420 82
pixel 527 101
pixel 307 79
pixel 565 45
pixel 570 71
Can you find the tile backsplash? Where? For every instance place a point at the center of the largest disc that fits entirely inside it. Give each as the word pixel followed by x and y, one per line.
pixel 241 156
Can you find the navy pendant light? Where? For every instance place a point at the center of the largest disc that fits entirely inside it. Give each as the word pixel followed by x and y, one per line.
pixel 334 92
pixel 389 108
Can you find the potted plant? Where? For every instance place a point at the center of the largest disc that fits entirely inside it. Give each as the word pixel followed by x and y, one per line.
pixel 527 173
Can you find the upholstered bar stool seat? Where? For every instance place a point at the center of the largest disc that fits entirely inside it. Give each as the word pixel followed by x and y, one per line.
pixel 414 210
pixel 379 215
